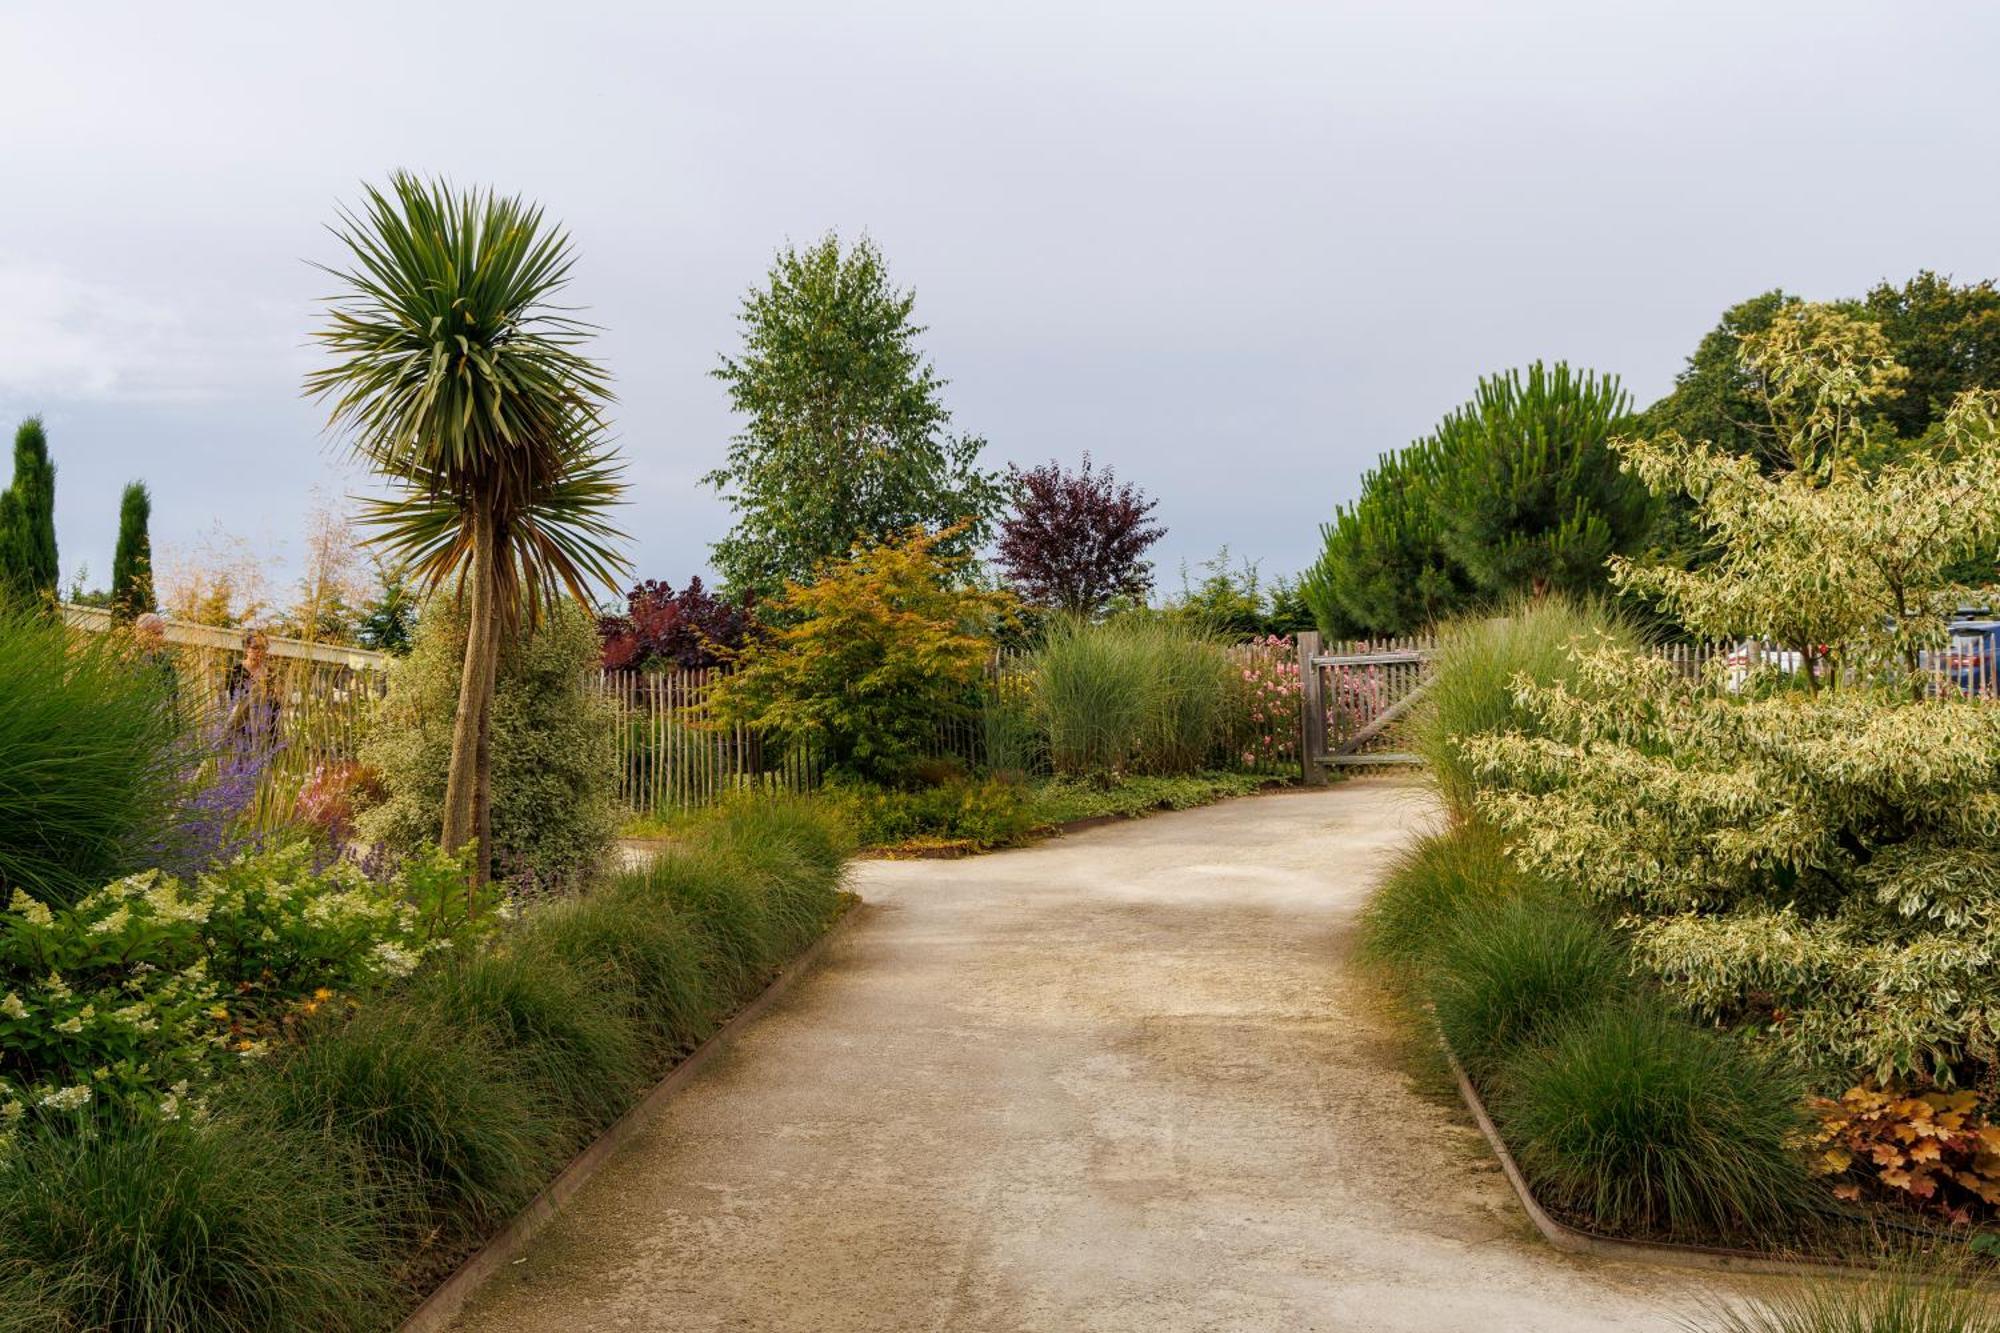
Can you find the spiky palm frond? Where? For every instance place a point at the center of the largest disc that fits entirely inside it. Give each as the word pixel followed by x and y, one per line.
pixel 457 378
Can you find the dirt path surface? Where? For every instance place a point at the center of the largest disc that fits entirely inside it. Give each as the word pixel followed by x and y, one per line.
pixel 1119 1081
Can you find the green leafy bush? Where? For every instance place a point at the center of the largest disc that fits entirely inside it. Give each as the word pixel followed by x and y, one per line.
pixel 90 758
pixel 1503 975
pixel 230 1226
pixel 144 989
pixel 978 813
pixel 869 661
pixel 1138 693
pixel 1473 680
pixel 1635 1121
pixel 555 799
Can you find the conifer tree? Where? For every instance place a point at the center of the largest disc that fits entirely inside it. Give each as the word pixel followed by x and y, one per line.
pixel 1532 497
pixel 28 566
pixel 132 562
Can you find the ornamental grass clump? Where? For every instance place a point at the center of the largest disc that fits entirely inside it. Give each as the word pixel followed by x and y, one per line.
pixel 1474 679
pixel 1630 1120
pixel 91 758
pixel 439 1117
pixel 1906 1297
pixel 234 1225
pixel 1503 975
pixel 1137 694
pixel 573 1036
pixel 1445 877
pixel 639 947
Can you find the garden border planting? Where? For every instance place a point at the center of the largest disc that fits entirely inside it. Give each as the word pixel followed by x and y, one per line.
pixel 447 1299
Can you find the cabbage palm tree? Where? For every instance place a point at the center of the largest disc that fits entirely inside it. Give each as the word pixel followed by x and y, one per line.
pixel 456 378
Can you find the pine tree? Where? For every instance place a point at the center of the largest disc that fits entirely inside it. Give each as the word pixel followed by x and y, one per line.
pixel 1533 498
pixel 132 563
pixel 1384 569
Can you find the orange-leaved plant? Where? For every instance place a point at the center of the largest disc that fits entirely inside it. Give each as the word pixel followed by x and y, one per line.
pixel 869 661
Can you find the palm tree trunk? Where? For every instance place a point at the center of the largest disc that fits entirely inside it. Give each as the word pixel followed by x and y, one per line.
pixel 475 688
pixel 482 785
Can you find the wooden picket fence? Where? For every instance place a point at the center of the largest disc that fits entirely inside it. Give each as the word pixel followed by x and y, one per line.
pixel 672 756
pixel 310 704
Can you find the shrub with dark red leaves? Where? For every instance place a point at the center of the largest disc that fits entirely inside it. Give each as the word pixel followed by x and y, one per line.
pixel 1074 540
pixel 661 628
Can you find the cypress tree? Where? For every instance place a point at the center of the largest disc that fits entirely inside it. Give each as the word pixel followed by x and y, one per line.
pixel 132 563
pixel 34 492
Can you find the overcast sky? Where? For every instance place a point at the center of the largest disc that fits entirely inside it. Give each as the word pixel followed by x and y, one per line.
pixel 1235 250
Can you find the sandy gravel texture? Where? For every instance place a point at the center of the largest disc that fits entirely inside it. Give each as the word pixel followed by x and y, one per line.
pixel 1124 1080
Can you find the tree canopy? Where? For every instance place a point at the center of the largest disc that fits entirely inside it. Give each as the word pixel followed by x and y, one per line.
pixel 846 440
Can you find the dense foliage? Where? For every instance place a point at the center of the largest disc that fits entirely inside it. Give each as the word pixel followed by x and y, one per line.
pixel 337 1162
pixel 554 780
pixel 1819 861
pixel 144 991
pixel 871 658
pixel 1481 664
pixel 1075 542
pixel 845 437
pixel 1383 569
pixel 692 629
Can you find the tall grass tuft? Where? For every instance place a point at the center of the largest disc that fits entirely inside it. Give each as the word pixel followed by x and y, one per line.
pixel 440 1117
pixel 1908 1297
pixel 573 1038
pixel 761 881
pixel 1471 690
pixel 1642 1123
pixel 1516 969
pixel 638 947
pixel 1438 881
pixel 1135 693
pixel 90 757
pixel 228 1226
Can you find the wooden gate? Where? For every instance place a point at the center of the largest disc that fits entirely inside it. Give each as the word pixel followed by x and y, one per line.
pixel 1350 696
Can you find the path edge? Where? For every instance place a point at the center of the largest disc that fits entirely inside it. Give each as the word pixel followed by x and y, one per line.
pixel 1572 1241
pixel 449 1297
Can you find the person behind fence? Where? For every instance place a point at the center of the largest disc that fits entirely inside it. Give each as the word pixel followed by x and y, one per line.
pixel 250 696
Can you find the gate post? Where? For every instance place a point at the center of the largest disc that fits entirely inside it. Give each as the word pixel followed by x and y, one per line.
pixel 1312 712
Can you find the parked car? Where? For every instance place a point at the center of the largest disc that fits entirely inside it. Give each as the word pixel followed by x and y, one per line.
pixel 1972 661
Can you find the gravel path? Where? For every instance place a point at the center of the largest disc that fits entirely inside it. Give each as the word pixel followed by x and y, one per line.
pixel 1119 1081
